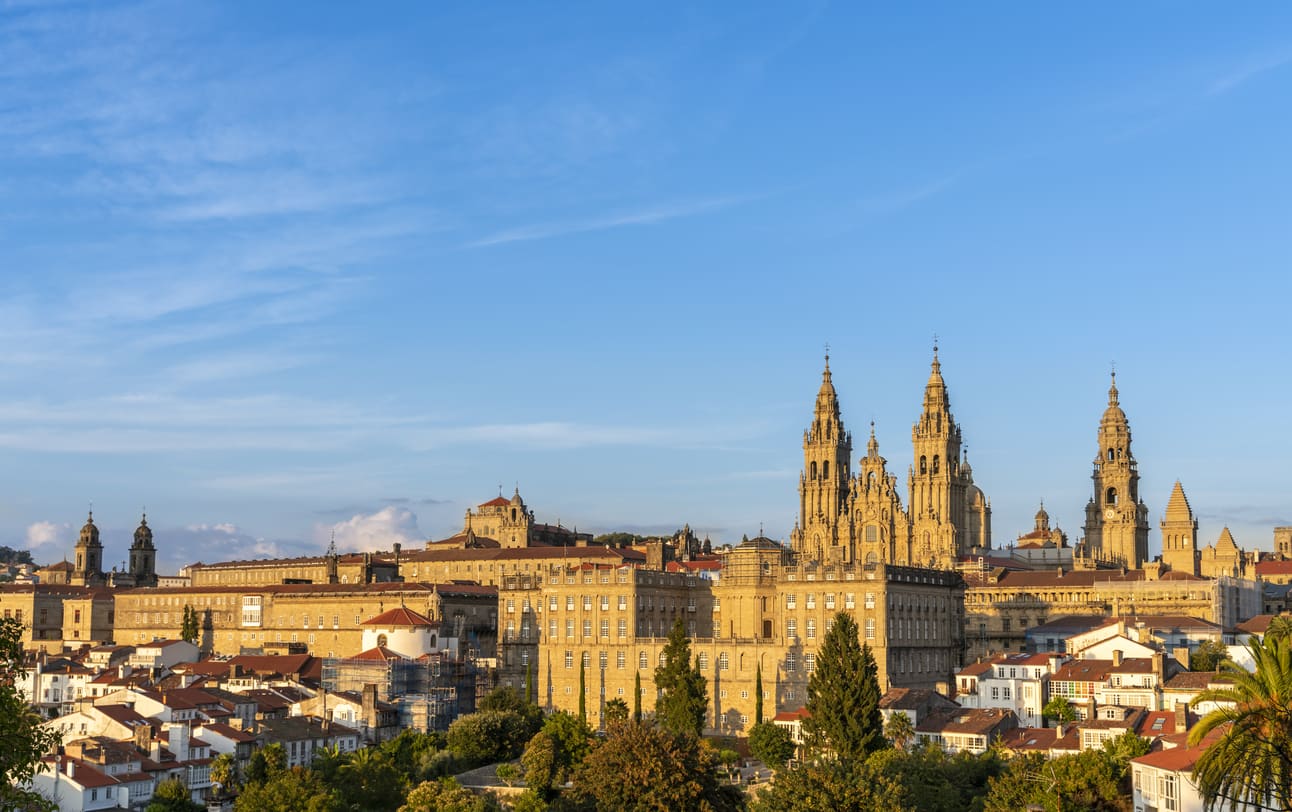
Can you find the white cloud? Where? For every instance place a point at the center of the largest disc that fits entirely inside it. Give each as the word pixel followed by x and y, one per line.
pixel 48 534
pixel 658 214
pixel 369 532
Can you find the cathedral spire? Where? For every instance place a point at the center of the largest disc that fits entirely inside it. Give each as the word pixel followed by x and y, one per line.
pixel 872 445
pixel 1112 390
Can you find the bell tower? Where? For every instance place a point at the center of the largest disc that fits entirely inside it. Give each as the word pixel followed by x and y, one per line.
pixel 1116 518
pixel 143 555
pixel 88 570
pixel 936 485
pixel 823 484
pixel 1180 533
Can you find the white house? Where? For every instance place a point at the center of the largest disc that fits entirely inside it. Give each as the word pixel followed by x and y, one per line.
pixel 1017 682
pixel 163 654
pixel 78 786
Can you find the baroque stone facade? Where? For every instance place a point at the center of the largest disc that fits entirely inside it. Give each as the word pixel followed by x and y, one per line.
pixel 846 518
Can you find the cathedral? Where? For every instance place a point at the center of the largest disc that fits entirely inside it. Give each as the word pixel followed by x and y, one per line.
pixel 858 517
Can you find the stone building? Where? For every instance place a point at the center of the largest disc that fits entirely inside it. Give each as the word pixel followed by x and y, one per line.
pixel 1001 605
pixel 510 523
pixel 1116 518
pixel 43 611
pixel 766 614
pixel 332 568
pixel 87 569
pixel 324 619
pixel 846 518
pixel 1180 534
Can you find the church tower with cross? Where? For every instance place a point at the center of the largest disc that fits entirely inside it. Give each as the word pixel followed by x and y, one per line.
pixel 1116 518
pixel 823 484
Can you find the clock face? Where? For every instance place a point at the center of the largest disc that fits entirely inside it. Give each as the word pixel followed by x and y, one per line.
pixel 1109 513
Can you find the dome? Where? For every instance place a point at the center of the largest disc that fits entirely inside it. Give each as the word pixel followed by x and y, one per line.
pixel 90 533
pixel 144 533
pixel 1114 413
pixel 1042 519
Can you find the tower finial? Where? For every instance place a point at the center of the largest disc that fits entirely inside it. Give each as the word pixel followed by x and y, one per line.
pixel 827 355
pixel 935 346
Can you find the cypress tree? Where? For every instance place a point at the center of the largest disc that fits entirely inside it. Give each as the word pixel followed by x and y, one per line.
pixel 583 692
pixel 529 683
pixel 843 696
pixel 758 694
pixel 683 699
pixel 637 696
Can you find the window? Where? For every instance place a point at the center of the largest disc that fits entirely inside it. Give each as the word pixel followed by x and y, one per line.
pixel 704 661
pixel 623 628
pixel 569 658
pixel 642 662
pixel 850 601
pixel 791 600
pixel 870 600
pixel 602 660
pixel 717 629
pixel 791 628
pixel 995 692
pixel 587 628
pixel 605 603
pixel 723 662
pixel 569 628
pixel 829 600
pixel 811 600
pixel 621 660
pixel 569 603
pixel 605 628
pixel 551 628
pixel 811 628
pixel 587 659
pixel 809 662
pixel 623 602
pixel 870 628
pixel 790 662
pixel 511 604
pixel 552 603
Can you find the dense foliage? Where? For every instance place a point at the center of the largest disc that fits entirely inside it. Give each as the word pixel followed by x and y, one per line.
pixel 1251 760
pixel 22 740
pixel 771 744
pixel 1208 656
pixel 172 795
pixel 683 700
pixel 843 696
pixel 641 766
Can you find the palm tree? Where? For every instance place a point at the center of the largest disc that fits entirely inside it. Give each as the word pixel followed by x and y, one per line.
pixel 1251 761
pixel 899 729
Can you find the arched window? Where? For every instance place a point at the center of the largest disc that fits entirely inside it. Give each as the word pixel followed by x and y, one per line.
pixel 924 465
pixel 1111 454
pixel 1111 496
pixel 381 639
pixel 936 460
pixel 513 514
pixel 812 475
pixel 871 558
pixel 825 470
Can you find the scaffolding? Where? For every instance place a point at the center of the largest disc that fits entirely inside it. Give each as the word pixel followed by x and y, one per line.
pixel 429 692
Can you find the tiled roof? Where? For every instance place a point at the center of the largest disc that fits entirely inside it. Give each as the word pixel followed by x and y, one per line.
pixel 497 501
pixel 1265 569
pixel 1190 681
pixel 1177 759
pixel 378 654
pixel 229 732
pixel 974 670
pixel 971 721
pixel 399 616
pixel 913 698
pixel 1084 671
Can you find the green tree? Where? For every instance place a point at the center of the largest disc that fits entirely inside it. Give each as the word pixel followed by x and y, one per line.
pixel 224 771
pixel 648 767
pixel 583 691
pixel 554 752
pixel 541 763
pixel 899 729
pixel 507 773
pixel 1251 761
pixel 488 736
pixel 829 786
pixel 265 763
pixel 25 742
pixel 507 698
pixel 294 790
pixel 637 696
pixel 1090 780
pixel 1208 657
pixel 445 795
pixel 1059 710
pixel 172 795
pixel 370 781
pixel 935 781
pixel 616 710
pixel 843 696
pixel 683 699
pixel 189 629
pixel 529 801
pixel 758 694
pixel 771 744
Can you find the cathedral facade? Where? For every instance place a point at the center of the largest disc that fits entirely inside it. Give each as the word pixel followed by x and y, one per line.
pixel 847 517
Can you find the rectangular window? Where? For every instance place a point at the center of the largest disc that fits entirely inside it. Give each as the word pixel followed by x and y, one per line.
pixel 791 627
pixel 811 600
pixel 791 663
pixel 552 603
pixel 605 603
pixel 811 628
pixel 569 628
pixel 569 659
pixel 829 600
pixel 723 662
pixel 850 601
pixel 621 660
pixel 790 600
pixel 587 603
pixel 870 628
pixel 623 628
pixel 623 603
pixel 809 662
pixel 605 628
pixel 569 603
pixel 870 600
pixel 587 628
pixel 551 628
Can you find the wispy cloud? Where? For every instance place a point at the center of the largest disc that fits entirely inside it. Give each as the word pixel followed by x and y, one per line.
pixel 1252 68
pixel 642 217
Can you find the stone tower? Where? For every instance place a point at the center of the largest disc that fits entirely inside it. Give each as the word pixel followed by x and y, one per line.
pixel 937 487
pixel 823 485
pixel 88 568
pixel 1116 518
pixel 879 525
pixel 143 555
pixel 1180 533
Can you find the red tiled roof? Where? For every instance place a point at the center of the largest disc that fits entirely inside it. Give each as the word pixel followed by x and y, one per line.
pixel 378 654
pixel 791 716
pixel 497 501
pixel 1084 671
pixel 974 670
pixel 399 616
pixel 85 773
pixel 1265 568
pixel 1177 759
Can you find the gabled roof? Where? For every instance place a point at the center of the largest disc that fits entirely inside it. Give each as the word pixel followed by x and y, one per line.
pixel 974 670
pixel 791 716
pixel 1190 681
pixel 914 699
pixel 378 654
pixel 1084 671
pixel 400 616
pixel 1178 759
pixel 497 501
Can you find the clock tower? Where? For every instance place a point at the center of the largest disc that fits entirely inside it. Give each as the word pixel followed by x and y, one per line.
pixel 1116 518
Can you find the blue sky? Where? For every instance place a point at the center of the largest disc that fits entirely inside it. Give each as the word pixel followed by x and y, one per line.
pixel 279 270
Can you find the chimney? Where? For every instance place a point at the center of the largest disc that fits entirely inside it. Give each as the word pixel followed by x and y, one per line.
pixel 1117 658
pixel 1181 717
pixel 1159 665
pixel 154 750
pixel 370 705
pixel 71 768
